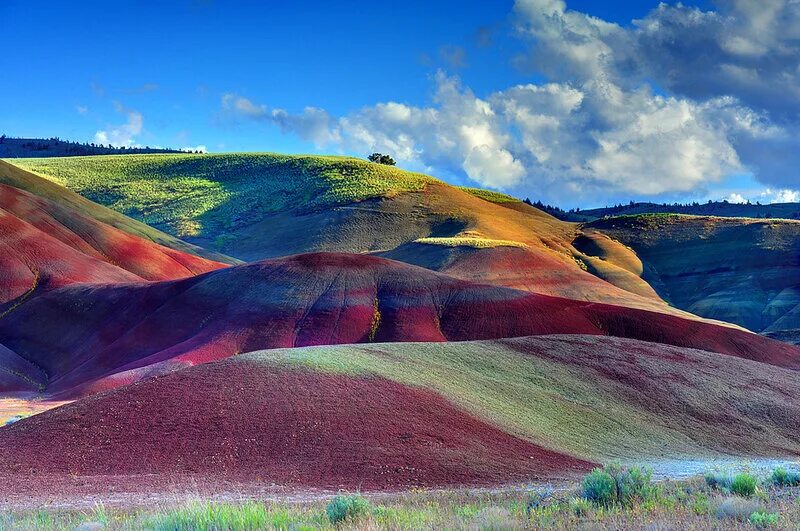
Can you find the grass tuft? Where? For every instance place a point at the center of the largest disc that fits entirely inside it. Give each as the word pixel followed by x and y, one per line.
pixel 785 478
pixel 744 485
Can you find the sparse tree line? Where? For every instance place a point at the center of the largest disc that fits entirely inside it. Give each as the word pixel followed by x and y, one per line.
pixel 67 147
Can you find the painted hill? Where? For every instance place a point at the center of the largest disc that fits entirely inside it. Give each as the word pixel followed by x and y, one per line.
pixel 101 336
pixel 46 245
pixel 256 206
pixel 743 271
pixel 47 190
pixel 422 414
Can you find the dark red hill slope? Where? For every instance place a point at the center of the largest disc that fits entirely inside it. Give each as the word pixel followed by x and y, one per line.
pixel 94 331
pixel 288 426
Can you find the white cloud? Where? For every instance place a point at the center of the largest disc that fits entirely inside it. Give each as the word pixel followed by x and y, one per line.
pixel 313 124
pixel 81 109
pixel 243 106
pixel 124 134
pixel 736 198
pixel 780 196
pixel 767 196
pixel 597 126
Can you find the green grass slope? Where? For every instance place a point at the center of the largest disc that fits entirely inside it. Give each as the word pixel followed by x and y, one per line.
pixel 52 190
pixel 198 195
pixel 262 205
pixel 598 398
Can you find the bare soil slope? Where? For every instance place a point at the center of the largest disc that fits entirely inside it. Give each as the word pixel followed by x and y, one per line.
pixel 417 414
pixel 287 426
pixel 743 271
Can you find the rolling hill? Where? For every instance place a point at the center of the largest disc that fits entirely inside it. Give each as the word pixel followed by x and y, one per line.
pixel 742 271
pixel 256 206
pixel 100 336
pixel 47 245
pixel 388 416
pixel 47 190
pixel 397 312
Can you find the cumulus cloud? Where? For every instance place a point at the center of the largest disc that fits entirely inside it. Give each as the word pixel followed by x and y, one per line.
pixel 780 196
pixel 312 124
pixel 670 104
pixel 767 196
pixel 736 198
pixel 124 134
pixel 744 53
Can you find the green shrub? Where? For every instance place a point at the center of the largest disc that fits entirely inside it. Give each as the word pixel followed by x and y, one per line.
pixel 785 478
pixel 744 485
pixel 632 483
pixel 763 519
pixel 615 485
pixel 600 488
pixel 344 507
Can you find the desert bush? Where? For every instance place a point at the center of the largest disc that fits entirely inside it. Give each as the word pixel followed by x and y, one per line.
pixel 346 507
pixel 763 519
pixel 615 485
pixel 599 488
pixel 737 508
pixel 744 485
pixel 785 478
pixel 632 483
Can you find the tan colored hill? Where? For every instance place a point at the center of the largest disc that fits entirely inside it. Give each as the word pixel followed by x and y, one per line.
pixel 740 270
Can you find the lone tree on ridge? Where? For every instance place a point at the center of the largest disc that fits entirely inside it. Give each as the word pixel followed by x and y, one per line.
pixel 380 158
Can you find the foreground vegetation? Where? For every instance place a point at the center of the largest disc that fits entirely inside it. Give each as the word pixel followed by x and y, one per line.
pixel 610 498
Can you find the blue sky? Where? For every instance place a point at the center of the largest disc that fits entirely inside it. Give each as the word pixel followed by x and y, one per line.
pixel 435 83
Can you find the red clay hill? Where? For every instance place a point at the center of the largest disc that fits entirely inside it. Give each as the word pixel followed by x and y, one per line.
pixel 287 426
pixel 44 245
pixel 96 331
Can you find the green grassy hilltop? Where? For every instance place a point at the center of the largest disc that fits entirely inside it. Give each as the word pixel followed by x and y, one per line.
pixel 202 195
